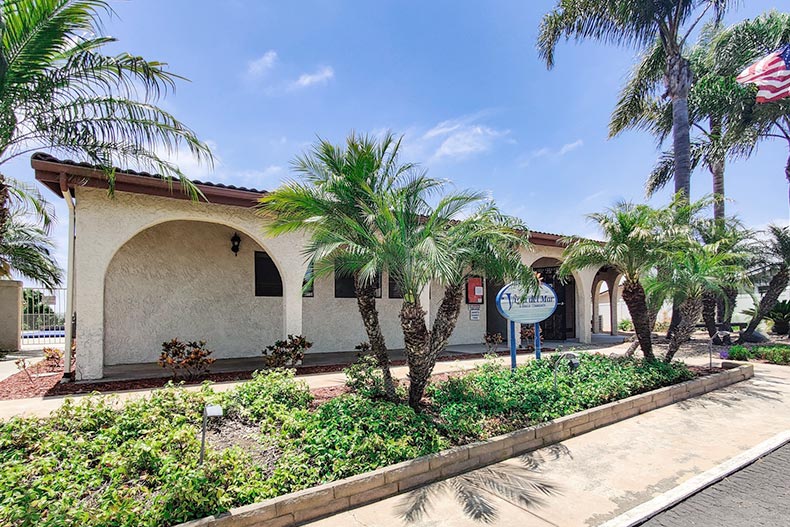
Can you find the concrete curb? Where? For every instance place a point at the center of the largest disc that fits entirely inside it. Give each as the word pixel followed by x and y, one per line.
pixel 324 500
pixel 642 513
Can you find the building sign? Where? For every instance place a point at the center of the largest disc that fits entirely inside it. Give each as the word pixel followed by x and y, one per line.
pixel 474 290
pixel 523 307
pixel 474 312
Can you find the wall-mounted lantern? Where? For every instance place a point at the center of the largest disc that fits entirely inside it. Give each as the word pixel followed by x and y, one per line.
pixel 235 242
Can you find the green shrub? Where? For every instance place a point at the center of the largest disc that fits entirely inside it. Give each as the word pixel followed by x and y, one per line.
pixel 287 353
pixel 739 352
pixel 365 378
pixel 269 397
pixel 352 434
pixel 776 354
pixel 492 400
pixel 625 325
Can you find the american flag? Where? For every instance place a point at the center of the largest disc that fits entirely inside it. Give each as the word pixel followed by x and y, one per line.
pixel 771 75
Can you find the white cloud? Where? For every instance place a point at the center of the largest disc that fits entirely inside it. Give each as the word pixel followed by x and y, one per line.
pixel 465 141
pixel 262 65
pixel 550 152
pixel 570 147
pixel 321 76
pixel 457 139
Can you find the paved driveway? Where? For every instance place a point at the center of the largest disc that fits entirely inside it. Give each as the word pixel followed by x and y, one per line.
pixel 757 495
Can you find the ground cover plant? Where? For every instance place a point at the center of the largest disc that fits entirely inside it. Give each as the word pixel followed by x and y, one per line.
pixel 773 353
pixel 97 462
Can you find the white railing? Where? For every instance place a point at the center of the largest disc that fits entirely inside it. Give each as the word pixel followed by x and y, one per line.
pixel 43 317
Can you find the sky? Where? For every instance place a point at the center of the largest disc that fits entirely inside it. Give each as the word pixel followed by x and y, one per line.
pixel 460 80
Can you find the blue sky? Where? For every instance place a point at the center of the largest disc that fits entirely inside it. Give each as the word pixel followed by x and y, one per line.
pixel 460 79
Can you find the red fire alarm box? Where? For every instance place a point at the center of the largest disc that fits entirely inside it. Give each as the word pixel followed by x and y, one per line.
pixel 474 290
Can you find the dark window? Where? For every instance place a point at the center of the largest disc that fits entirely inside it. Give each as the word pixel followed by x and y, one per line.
pixel 267 277
pixel 344 286
pixel 393 288
pixel 307 283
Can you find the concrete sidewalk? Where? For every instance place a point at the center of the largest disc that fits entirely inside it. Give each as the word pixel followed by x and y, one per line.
pixel 42 406
pixel 596 476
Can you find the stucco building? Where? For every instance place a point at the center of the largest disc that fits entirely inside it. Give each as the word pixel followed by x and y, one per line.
pixel 149 264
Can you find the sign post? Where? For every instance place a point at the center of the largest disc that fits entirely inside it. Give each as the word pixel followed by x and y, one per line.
pixel 525 307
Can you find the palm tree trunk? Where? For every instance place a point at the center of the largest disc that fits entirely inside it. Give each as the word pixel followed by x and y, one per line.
pixel 775 287
pixel 728 307
pixel 636 300
pixel 4 213
pixel 678 81
pixel 366 302
pixel 446 319
pixel 690 311
pixel 709 301
pixel 717 166
pixel 417 340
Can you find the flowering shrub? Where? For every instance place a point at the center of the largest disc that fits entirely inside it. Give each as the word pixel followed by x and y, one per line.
pixel 191 358
pixel 286 353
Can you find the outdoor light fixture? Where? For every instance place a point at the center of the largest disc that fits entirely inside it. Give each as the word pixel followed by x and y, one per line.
pixel 211 410
pixel 235 242
pixel 573 362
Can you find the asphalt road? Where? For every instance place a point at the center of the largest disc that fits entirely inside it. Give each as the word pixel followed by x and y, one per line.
pixel 755 496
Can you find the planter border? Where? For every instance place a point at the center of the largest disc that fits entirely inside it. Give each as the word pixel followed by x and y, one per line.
pixel 317 502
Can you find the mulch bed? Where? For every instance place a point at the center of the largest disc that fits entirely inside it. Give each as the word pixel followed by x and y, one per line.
pixel 22 386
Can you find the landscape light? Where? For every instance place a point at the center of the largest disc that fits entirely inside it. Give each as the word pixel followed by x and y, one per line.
pixel 573 362
pixel 211 410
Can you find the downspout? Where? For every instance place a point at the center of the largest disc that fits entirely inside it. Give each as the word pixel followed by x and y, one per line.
pixel 70 321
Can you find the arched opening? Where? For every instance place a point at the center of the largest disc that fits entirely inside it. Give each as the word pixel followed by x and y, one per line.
pixel 606 299
pixel 562 324
pixel 181 279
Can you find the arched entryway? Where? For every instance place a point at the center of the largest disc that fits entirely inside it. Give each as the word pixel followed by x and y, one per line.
pixel 606 299
pixel 562 324
pixel 181 279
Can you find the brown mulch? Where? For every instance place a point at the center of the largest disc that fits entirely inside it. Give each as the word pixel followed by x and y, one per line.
pixel 20 386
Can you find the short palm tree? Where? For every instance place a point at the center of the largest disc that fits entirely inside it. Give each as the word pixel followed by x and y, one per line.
pixel 694 271
pixel 630 247
pixel 772 260
pixel 640 23
pixel 334 205
pixel 462 235
pixel 26 251
pixel 59 90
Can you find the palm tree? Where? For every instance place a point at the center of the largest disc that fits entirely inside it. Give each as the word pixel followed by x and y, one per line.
pixel 694 271
pixel 463 235
pixel 26 250
pixel 59 90
pixel 714 100
pixel 772 259
pixel 740 45
pixel 335 205
pixel 630 247
pixel 640 23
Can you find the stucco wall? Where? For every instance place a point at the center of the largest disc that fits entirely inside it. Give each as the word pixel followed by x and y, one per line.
pixel 180 279
pixel 334 324
pixel 10 315
pixel 466 331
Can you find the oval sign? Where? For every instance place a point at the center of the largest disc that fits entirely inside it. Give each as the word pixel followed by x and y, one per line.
pixel 526 308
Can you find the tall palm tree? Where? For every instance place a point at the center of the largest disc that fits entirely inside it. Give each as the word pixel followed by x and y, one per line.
pixel 741 45
pixel 714 100
pixel 640 23
pixel 630 247
pixel 694 271
pixel 772 260
pixel 59 90
pixel 26 251
pixel 335 203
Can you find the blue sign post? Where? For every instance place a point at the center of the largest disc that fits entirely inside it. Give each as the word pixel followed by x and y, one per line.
pixel 525 307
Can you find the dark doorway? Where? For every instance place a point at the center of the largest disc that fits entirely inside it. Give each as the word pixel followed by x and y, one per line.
pixel 495 322
pixel 562 324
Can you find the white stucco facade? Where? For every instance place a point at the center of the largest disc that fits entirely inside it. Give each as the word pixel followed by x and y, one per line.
pixel 148 268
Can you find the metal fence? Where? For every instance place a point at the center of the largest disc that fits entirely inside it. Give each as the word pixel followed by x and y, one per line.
pixel 43 317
